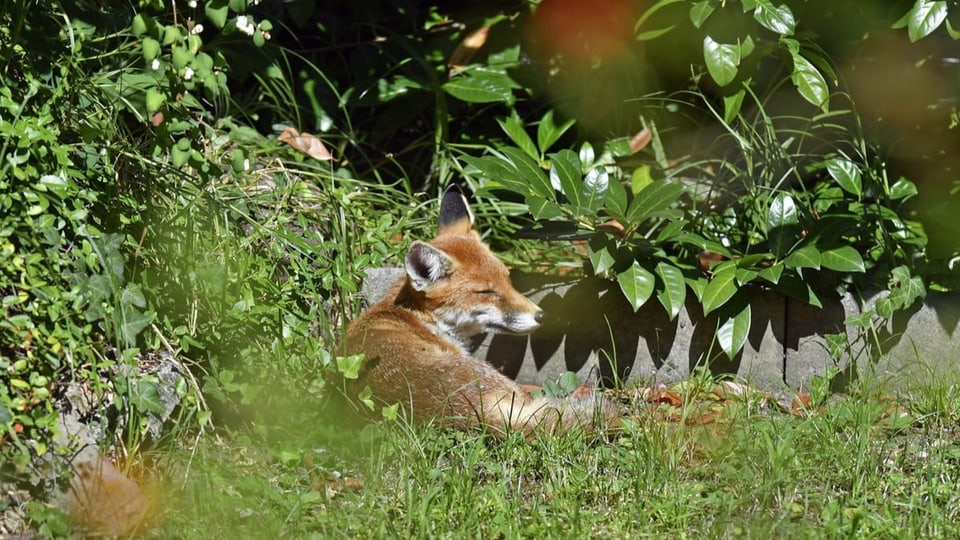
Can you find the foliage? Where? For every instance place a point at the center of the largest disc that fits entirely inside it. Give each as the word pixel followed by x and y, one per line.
pixel 211 179
pixel 864 466
pixel 787 200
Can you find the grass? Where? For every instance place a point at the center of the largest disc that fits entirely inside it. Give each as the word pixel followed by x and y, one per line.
pixel 860 467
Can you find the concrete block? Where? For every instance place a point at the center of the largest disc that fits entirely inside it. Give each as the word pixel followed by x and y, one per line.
pixel 591 330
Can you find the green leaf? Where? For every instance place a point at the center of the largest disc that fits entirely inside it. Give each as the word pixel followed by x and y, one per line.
pixel 616 201
pixel 700 11
pixel 568 382
pixel 842 259
pixel 653 200
pixel 782 223
pixel 924 18
pixel 733 331
pixel 139 25
pixel 905 287
pixel 807 256
pixel 809 81
pixel 640 178
pixel 151 49
pixel 541 208
pixel 481 86
pixel 902 189
pixel 772 273
pixel 529 172
pixel 674 292
pixel 783 211
pixel 847 174
pixel 565 176
pixel 637 284
pixel 146 398
pixel 216 11
pixel 548 132
pixel 514 129
pixel 733 103
pixel 133 323
pixel 647 35
pixel 596 184
pixel 599 254
pixel 778 19
pixel 721 59
pixel 720 289
pixel 349 366
pixel 791 285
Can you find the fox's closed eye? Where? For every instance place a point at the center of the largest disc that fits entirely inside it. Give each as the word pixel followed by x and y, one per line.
pixel 487 292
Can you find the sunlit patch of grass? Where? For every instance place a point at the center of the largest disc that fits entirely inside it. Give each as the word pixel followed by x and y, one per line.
pixel 855 467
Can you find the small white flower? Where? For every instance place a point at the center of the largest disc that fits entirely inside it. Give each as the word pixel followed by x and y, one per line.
pixel 197 29
pixel 245 25
pixel 246 164
pixel 188 74
pixel 155 65
pixel 192 4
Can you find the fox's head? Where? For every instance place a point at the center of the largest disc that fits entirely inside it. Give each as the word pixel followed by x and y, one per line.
pixel 457 280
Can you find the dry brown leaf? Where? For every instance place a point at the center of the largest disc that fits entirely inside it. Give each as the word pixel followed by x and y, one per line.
pixel 801 402
pixel 306 143
pixel 640 140
pixel 467 48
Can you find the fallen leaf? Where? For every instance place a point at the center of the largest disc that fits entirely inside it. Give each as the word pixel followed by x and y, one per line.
pixel 801 402
pixel 307 144
pixel 640 140
pixel 467 48
pixel 707 257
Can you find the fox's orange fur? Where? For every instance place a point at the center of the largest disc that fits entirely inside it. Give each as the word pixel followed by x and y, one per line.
pixel 414 340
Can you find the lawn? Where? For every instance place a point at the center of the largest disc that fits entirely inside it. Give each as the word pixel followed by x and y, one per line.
pixel 857 466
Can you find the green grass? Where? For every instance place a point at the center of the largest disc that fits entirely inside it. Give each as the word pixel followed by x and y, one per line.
pixel 852 469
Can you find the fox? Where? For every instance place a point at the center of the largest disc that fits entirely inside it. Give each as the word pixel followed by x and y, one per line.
pixel 415 340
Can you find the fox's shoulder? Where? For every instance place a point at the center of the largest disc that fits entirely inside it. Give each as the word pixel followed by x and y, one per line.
pixel 392 325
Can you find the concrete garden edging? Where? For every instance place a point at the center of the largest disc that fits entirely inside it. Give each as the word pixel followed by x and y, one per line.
pixel 588 324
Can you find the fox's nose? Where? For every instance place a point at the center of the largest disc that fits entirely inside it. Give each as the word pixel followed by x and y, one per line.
pixel 538 316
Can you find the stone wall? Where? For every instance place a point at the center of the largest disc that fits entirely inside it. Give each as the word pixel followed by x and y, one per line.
pixel 591 330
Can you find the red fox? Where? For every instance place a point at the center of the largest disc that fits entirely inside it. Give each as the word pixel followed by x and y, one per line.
pixel 414 340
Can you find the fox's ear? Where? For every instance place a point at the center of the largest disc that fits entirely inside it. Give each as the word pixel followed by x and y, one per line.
pixel 455 214
pixel 426 265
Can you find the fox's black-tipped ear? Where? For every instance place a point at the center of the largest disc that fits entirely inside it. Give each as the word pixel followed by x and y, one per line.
pixel 455 214
pixel 426 265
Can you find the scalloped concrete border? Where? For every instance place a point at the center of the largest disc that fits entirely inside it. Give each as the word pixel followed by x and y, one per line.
pixel 591 330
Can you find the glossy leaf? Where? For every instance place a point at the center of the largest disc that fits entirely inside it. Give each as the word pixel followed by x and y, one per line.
pixel 637 284
pixel 902 189
pixel 782 223
pixel 528 171
pixel 596 184
pixel 772 273
pixel 924 18
pixel 807 256
pixel 481 86
pixel 599 255
pixel 732 333
pixel 720 289
pixel 616 201
pixel 700 11
pixel 809 81
pixel 842 259
pixel 548 132
pixel 674 292
pixel 565 174
pixel 847 174
pixel 653 200
pixel 514 129
pixel 778 19
pixel 721 59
